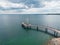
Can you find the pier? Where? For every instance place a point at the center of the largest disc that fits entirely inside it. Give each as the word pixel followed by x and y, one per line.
pixel 46 29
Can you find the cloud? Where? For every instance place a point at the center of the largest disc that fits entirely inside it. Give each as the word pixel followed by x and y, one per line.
pixel 29 7
pixel 10 5
pixel 52 4
pixel 35 3
pixel 49 7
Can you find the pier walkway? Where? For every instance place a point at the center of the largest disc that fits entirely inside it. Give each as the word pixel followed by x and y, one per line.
pixel 46 29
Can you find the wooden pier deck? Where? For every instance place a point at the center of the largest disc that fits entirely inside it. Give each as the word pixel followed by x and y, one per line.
pixel 46 29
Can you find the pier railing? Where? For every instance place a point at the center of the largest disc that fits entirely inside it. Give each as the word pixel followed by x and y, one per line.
pixel 46 29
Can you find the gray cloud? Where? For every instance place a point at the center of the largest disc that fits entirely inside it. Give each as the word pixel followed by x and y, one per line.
pixel 29 3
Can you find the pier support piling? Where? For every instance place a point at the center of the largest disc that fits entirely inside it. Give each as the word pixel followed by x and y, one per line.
pixel 46 30
pixel 37 28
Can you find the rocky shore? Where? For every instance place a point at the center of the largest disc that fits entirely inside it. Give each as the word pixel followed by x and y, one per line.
pixel 54 41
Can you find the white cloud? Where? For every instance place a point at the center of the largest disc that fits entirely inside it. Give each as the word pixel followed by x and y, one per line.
pixel 31 11
pixel 7 4
pixel 52 4
pixel 49 7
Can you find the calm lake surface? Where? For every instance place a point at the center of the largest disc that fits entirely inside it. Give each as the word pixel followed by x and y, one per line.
pixel 11 32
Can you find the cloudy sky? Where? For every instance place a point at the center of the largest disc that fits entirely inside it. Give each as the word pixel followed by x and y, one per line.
pixel 29 6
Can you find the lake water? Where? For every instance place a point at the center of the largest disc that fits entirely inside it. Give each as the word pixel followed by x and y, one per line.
pixel 11 32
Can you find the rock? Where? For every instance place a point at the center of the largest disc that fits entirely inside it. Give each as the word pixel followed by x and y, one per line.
pixel 54 41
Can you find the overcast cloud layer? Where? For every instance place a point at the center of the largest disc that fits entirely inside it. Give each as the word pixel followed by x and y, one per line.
pixel 29 6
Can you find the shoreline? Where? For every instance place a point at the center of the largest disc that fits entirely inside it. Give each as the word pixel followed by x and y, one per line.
pixel 54 41
pixel 30 14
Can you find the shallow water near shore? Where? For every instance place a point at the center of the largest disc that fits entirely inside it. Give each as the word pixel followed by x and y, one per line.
pixel 11 32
